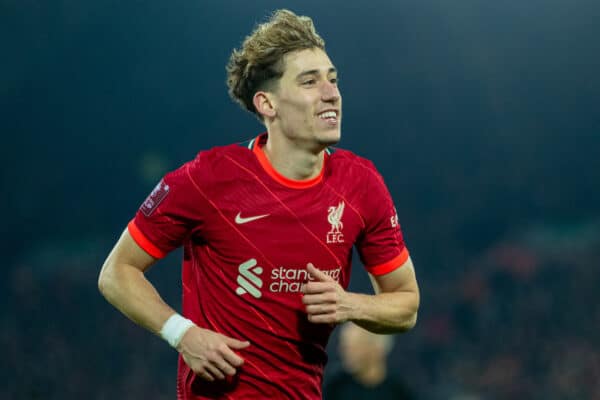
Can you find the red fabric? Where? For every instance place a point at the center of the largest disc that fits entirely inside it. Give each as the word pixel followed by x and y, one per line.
pixel 391 265
pixel 247 238
pixel 143 242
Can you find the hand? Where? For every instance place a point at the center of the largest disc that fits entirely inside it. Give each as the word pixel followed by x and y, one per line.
pixel 326 301
pixel 209 354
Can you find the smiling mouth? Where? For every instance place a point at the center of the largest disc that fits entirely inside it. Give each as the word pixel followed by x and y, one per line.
pixel 329 116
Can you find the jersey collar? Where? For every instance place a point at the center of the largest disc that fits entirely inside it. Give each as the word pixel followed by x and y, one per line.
pixel 257 148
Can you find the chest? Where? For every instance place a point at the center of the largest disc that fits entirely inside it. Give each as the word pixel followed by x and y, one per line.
pixel 286 227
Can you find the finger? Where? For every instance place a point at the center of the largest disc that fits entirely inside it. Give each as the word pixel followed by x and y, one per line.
pixel 226 368
pixel 206 376
pixel 321 298
pixel 214 371
pixel 233 359
pixel 318 287
pixel 320 309
pixel 223 364
pixel 229 355
pixel 322 319
pixel 235 344
pixel 317 274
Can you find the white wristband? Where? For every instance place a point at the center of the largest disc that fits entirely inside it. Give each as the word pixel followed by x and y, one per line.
pixel 174 329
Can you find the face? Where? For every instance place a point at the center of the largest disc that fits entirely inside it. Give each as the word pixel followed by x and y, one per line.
pixel 307 102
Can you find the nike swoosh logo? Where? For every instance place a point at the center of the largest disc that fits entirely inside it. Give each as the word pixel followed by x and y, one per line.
pixel 240 220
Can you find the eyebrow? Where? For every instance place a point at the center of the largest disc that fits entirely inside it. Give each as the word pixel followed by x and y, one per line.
pixel 313 72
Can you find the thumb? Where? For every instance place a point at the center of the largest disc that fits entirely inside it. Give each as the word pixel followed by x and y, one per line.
pixel 318 274
pixel 236 344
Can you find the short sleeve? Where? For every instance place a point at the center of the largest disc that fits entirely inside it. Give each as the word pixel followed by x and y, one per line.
pixel 381 245
pixel 170 212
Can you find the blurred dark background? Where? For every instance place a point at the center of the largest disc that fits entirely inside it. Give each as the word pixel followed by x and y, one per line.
pixel 481 116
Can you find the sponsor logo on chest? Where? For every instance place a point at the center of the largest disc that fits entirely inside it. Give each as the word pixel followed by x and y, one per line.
pixel 248 279
pixel 280 280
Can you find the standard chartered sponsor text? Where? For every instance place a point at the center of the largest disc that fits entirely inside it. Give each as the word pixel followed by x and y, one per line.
pixel 291 280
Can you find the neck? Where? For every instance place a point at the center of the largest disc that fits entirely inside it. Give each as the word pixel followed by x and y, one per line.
pixel 291 160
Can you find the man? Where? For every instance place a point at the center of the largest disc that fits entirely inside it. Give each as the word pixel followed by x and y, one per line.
pixel 267 229
pixel 364 371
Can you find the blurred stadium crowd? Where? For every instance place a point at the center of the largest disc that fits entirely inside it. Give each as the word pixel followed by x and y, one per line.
pixel 520 322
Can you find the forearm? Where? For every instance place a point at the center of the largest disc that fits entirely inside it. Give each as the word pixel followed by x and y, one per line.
pixel 390 312
pixel 127 288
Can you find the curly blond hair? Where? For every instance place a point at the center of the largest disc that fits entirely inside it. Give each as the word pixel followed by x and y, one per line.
pixel 258 64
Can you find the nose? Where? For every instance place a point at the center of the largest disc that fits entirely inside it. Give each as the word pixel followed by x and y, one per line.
pixel 330 93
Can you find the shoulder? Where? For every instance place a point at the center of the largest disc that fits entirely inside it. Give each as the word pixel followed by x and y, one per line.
pixel 222 154
pixel 214 164
pixel 348 163
pixel 219 158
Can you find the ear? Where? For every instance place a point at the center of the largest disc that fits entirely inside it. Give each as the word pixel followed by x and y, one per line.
pixel 263 103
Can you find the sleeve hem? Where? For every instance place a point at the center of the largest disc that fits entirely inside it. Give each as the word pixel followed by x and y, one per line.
pixel 143 241
pixel 389 266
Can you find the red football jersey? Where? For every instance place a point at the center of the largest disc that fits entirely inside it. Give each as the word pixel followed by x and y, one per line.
pixel 248 233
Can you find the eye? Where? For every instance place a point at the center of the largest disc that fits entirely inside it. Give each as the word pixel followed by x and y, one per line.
pixel 334 81
pixel 309 82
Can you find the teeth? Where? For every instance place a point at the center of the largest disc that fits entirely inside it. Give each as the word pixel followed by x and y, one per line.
pixel 328 114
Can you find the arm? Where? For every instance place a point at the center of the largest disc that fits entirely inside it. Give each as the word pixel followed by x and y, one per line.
pixel 396 301
pixel 123 283
pixel 393 307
